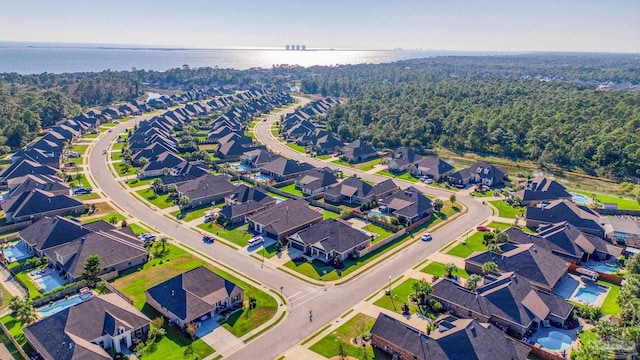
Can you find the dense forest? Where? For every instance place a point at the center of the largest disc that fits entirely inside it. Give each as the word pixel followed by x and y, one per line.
pixel 541 107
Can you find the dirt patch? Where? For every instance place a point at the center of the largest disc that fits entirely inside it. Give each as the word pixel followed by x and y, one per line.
pixel 102 208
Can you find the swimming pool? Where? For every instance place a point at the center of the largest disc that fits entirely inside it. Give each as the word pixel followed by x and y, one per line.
pixel 374 213
pixel 62 304
pixel 261 177
pixel 241 166
pixel 555 340
pixel 17 252
pixel 579 198
pixel 48 281
pixel 603 268
pixel 589 294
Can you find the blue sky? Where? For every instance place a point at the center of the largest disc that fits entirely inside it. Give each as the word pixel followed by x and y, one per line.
pixel 489 25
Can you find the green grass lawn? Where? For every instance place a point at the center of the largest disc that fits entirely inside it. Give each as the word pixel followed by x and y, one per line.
pixel 610 305
pixel 5 297
pixel 15 329
pixel 118 146
pixel 587 337
pixel 7 342
pixel 291 189
pixel 507 211
pixel 137 229
pixel 78 148
pixel 160 200
pixel 120 169
pixel 250 134
pixel 108 125
pixel 474 243
pixel 382 233
pixel 437 269
pixel 140 182
pixel 298 148
pixel 25 280
pixel 174 261
pixel 367 165
pixel 623 203
pixel 79 180
pixel 399 295
pixel 196 213
pixel 237 235
pixel 275 131
pixel 91 136
pixel 343 163
pixel 112 214
pixel 499 225
pixel 324 157
pixel 403 176
pixel 115 156
pixel 326 214
pixel 269 251
pixel 329 346
pixel 88 196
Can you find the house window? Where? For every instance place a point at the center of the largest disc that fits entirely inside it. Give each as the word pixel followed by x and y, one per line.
pixel 469 314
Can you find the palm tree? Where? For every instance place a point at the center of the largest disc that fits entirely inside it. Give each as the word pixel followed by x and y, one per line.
pixel 417 287
pixel 489 266
pixel 163 242
pixel 450 268
pixel 156 185
pixel 473 281
pixel 183 201
pixel 493 247
pixel 437 205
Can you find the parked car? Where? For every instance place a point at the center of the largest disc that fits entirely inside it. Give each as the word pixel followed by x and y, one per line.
pixel 208 218
pixel 256 240
pixel 116 122
pixel 482 228
pixel 427 237
pixel 81 191
pixel 147 237
pixel 207 239
pixel 73 154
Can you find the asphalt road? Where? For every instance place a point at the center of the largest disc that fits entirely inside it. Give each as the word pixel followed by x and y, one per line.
pixel 326 305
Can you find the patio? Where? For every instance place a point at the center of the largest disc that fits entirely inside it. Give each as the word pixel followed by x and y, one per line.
pixel 47 279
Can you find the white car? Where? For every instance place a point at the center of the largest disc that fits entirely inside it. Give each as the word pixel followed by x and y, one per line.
pixel 147 237
pixel 427 237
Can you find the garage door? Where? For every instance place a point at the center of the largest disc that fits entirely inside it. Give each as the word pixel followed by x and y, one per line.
pixel 297 246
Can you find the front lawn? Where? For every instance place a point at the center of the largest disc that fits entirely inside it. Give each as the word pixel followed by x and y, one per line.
pixel 469 246
pixel 137 229
pixel 623 203
pixel 269 251
pixel 238 235
pixel 399 295
pixel 291 189
pixel 120 169
pixel 112 217
pixel 196 213
pixel 79 180
pixel 324 157
pixel 81 149
pixel 437 269
pixel 118 146
pixel 499 225
pixel 610 305
pixel 140 182
pixel 298 148
pixel 91 136
pixel 329 346
pixel 160 200
pixel 368 165
pixel 343 163
pixel 402 176
pixel 507 211
pixel 90 196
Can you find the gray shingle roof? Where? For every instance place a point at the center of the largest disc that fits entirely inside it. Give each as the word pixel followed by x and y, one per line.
pixel 409 203
pixel 541 188
pixel 37 201
pixel 357 148
pixel 286 216
pixel 206 186
pixel 565 210
pixel 332 235
pixel 283 166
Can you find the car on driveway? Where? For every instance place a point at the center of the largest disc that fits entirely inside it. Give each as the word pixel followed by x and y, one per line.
pixel 208 218
pixel 81 191
pixel 482 228
pixel 427 237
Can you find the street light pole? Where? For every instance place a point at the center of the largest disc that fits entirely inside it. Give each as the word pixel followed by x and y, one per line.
pixel 389 286
pixel 281 295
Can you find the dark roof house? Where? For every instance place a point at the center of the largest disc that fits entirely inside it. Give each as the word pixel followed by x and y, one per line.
pixel 541 189
pixel 329 239
pixel 408 205
pixel 206 189
pixel 480 173
pixel 358 151
pixel 284 219
pixel 561 210
pixel 37 203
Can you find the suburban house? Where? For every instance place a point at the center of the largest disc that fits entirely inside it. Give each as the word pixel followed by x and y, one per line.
pixel 67 244
pixel 23 168
pixel 556 211
pixel 431 166
pixel 507 300
pixel 183 173
pixel 621 231
pixel 316 180
pixel 324 142
pixel 401 159
pixel 358 151
pixel 541 189
pixel 157 164
pixel 48 183
pixel 479 173
pixel 353 190
pixel 243 202
pixel 284 219
pixel 207 189
pixel 48 158
pixel 453 339
pixel 34 204
pixel 281 169
pixel 194 295
pixel 408 205
pixel 151 151
pixel 88 329
pixel 258 157
pixel 329 239
pixel 538 265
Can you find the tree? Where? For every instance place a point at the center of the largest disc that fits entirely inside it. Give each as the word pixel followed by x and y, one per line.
pixel 172 189
pixel 183 201
pixel 156 185
pixel 493 247
pixel 437 205
pixel 163 242
pixel 452 198
pixel 158 322
pixel 91 269
pixel 633 264
pixel 450 268
pixel 473 281
pixel 633 334
pixel 22 310
pixel 191 329
pixel 417 287
pixel 143 161
pixel 125 167
pixel 591 351
pixel 489 266
pixel 502 237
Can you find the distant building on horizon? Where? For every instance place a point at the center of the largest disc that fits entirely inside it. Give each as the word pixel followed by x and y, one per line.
pixel 295 47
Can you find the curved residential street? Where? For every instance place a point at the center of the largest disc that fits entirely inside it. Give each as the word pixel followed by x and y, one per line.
pixel 301 296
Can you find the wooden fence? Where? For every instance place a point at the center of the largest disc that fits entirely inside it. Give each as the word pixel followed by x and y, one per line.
pixel 13 341
pixel 9 238
pixel 612 278
pixel 59 294
pixel 15 227
pixel 116 291
pixel 618 212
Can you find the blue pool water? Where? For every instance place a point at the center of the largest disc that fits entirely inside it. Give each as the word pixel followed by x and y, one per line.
pixel 603 268
pixel 589 294
pixel 49 282
pixel 374 213
pixel 62 304
pixel 242 167
pixel 17 252
pixel 278 201
pixel 555 341
pixel 579 198
pixel 261 177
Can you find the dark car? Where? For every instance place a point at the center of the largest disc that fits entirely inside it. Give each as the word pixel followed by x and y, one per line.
pixel 207 239
pixel 81 191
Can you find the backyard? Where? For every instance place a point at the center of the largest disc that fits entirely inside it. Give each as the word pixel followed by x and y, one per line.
pixel 15 329
pixel 329 346
pixel 610 305
pixel 291 189
pixel 623 203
